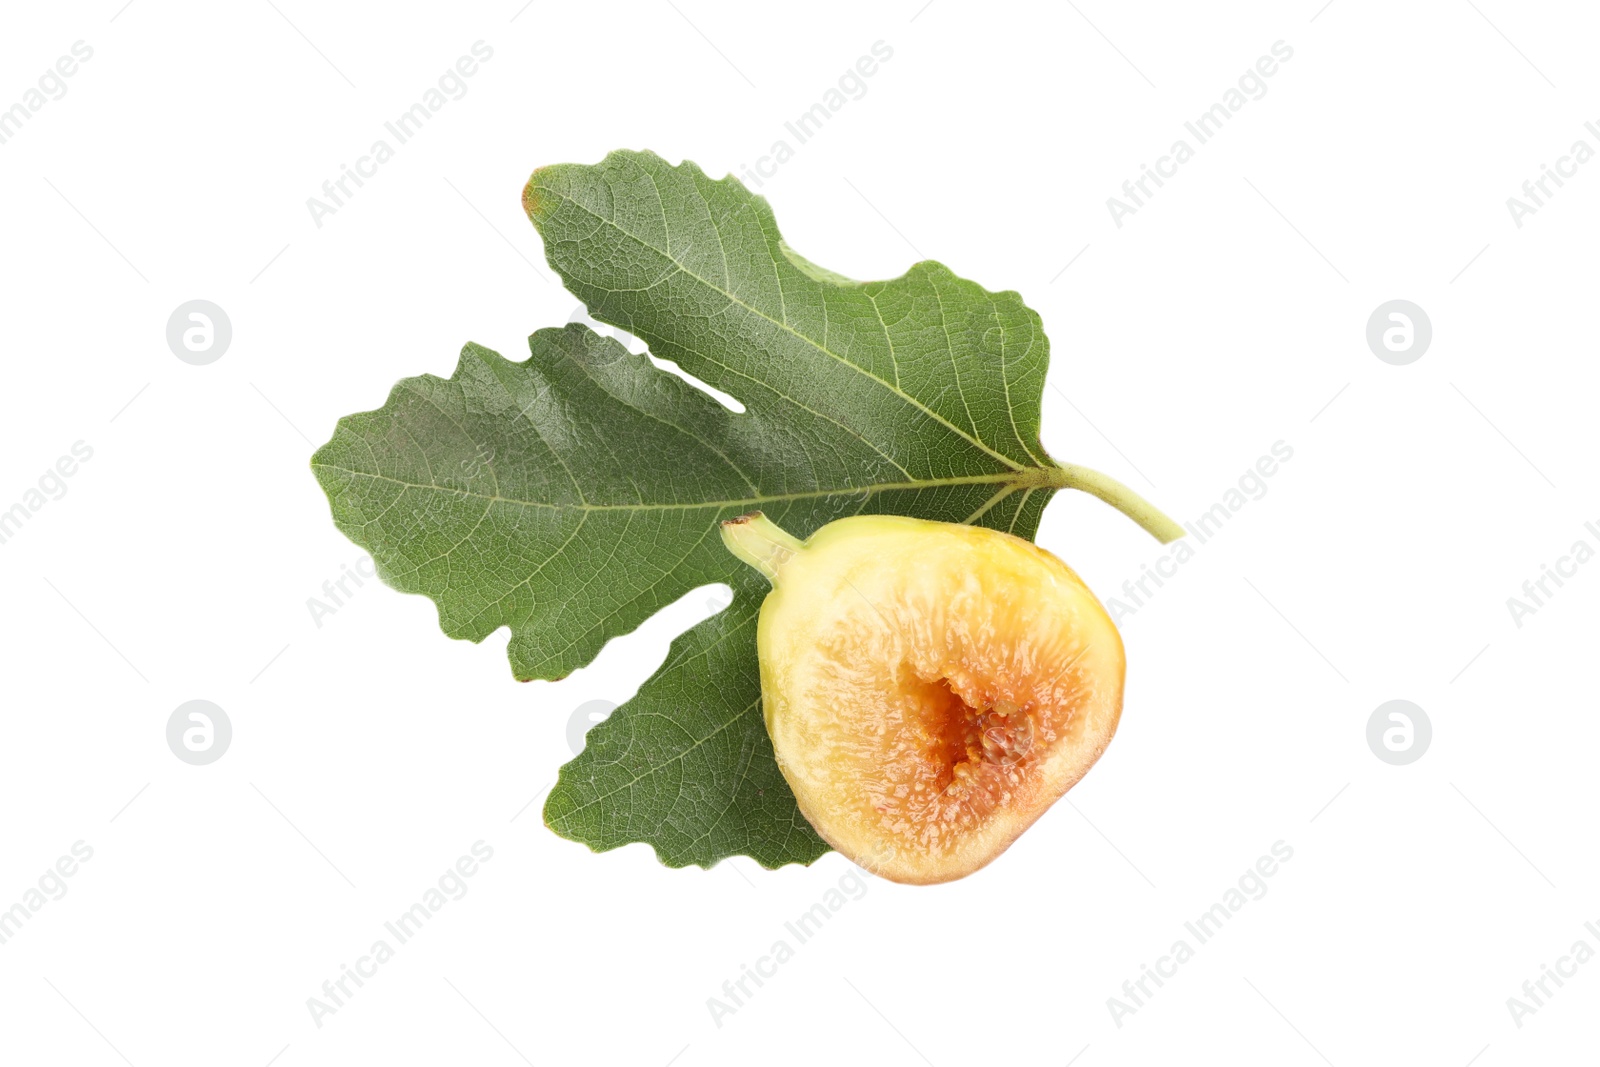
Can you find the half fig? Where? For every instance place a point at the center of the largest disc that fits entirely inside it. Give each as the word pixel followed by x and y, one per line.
pixel 930 688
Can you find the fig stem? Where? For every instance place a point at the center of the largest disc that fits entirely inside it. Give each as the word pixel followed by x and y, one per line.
pixel 760 542
pixel 1119 496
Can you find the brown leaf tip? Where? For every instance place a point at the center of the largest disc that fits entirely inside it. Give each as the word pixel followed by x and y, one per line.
pixel 532 203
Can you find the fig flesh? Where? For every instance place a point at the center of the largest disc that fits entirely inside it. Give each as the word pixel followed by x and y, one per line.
pixel 930 688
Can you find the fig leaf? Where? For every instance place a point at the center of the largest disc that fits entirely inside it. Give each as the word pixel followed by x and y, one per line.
pixel 570 496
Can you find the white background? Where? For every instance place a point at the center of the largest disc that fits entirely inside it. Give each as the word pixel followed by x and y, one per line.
pixel 1228 314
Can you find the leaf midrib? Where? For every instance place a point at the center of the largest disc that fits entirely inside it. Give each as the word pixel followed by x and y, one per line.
pixel 1023 478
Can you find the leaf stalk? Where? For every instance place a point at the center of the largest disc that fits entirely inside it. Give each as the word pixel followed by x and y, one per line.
pixel 1106 488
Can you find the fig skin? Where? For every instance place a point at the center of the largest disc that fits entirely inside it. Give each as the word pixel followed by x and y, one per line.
pixel 930 688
